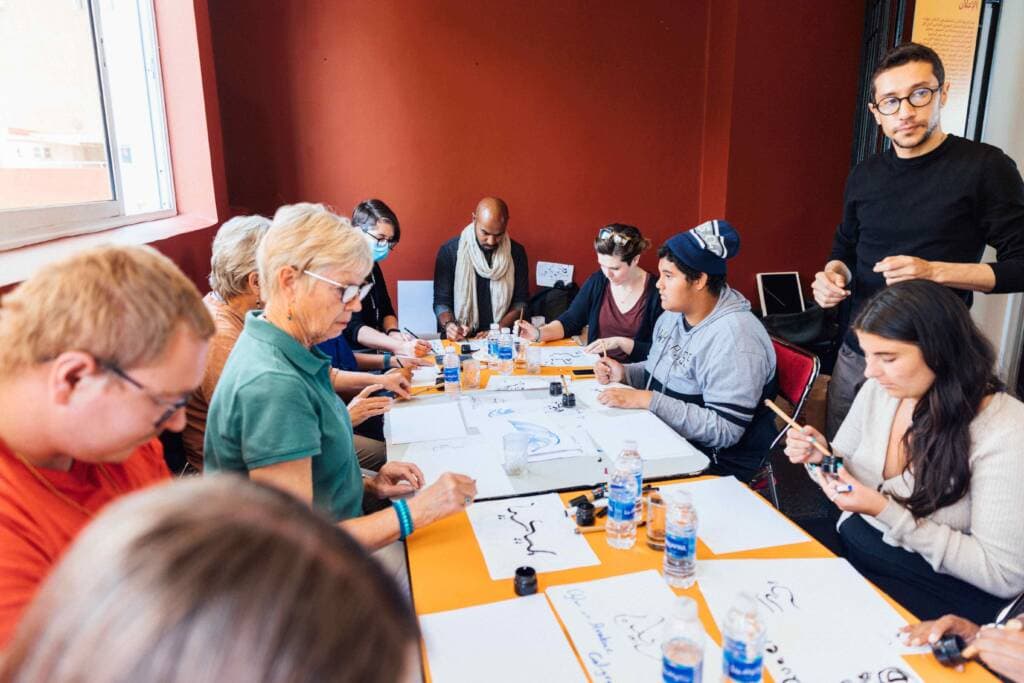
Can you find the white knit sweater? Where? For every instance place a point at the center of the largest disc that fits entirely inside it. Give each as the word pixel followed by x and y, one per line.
pixel 980 538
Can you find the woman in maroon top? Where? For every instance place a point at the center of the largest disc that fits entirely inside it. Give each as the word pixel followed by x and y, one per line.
pixel 619 302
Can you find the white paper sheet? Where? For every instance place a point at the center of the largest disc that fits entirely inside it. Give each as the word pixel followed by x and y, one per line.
pixel 475 457
pixel 587 391
pixel 566 356
pixel 533 531
pixel 503 642
pixel 518 382
pixel 416 306
pixel 425 375
pixel 824 622
pixel 425 422
pixel 617 625
pixel 549 273
pixel 655 439
pixel 732 518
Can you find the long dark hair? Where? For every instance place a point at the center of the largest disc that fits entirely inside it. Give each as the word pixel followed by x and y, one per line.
pixel 938 442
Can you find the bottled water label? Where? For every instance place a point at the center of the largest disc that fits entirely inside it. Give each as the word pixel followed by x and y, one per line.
pixel 674 672
pixel 735 664
pixel 492 348
pixel 621 508
pixel 505 352
pixel 681 546
pixel 451 375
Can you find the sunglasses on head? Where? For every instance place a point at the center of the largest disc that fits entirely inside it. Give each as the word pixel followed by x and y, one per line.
pixel 605 234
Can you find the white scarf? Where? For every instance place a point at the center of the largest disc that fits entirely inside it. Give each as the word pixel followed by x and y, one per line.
pixel 471 262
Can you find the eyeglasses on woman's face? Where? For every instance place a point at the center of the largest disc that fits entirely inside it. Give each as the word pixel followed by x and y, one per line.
pixel 347 292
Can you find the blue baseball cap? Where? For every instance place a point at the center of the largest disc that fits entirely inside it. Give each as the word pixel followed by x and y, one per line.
pixel 706 247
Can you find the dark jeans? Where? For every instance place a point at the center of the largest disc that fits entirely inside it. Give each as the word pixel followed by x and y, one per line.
pixel 847 378
pixel 910 580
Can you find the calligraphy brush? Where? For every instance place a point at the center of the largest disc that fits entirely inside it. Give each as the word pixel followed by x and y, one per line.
pixel 792 423
pixel 581 530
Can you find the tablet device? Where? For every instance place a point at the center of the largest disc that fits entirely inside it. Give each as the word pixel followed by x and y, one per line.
pixel 780 293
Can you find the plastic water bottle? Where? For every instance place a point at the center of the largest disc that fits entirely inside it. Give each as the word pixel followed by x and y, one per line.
pixel 493 337
pixel 682 646
pixel 452 385
pixel 742 642
pixel 631 453
pixel 505 360
pixel 680 540
pixel 623 498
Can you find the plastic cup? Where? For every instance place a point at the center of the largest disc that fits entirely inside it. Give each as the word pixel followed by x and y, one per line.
pixel 534 356
pixel 655 521
pixel 515 445
pixel 471 374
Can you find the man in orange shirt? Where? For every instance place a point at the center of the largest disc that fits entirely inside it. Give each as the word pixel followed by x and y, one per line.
pixel 98 354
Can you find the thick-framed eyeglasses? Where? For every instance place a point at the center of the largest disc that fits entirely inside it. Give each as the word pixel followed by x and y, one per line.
pixel 170 407
pixel 380 241
pixel 348 292
pixel 605 234
pixel 920 97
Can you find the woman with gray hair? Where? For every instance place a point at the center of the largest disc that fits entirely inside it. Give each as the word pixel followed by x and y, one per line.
pixel 236 291
pixel 214 580
pixel 275 414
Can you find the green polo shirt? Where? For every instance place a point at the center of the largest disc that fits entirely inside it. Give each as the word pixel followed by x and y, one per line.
pixel 274 403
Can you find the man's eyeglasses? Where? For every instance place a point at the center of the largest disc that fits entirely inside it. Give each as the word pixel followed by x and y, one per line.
pixel 921 97
pixel 380 241
pixel 348 292
pixel 610 234
pixel 170 407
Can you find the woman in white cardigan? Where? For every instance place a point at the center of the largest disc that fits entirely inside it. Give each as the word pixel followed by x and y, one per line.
pixel 934 459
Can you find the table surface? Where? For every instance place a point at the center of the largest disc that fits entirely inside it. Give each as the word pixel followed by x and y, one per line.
pixel 561 474
pixel 447 571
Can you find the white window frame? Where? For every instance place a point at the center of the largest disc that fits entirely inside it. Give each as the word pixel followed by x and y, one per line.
pixel 41 224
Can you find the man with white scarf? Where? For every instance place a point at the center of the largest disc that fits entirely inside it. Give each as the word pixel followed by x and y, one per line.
pixel 481 276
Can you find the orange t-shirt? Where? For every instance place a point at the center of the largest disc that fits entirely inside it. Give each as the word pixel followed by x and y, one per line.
pixel 36 526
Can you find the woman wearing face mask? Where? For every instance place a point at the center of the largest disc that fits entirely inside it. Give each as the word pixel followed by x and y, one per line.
pixel 376 326
pixel 619 302
pixel 932 475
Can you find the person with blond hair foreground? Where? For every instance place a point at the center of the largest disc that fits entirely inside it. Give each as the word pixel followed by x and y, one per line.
pixel 98 354
pixel 276 415
pixel 214 580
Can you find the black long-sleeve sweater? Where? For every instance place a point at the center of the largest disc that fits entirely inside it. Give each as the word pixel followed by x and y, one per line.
pixel 943 206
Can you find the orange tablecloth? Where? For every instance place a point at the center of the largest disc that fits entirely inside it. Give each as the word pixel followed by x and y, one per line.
pixel 447 571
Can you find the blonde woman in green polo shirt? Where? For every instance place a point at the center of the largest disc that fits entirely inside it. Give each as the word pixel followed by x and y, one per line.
pixel 275 413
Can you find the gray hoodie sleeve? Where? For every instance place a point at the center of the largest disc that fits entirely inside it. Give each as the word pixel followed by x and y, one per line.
pixel 636 375
pixel 732 382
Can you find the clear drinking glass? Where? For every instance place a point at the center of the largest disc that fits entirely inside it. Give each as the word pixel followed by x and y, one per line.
pixel 534 356
pixel 470 374
pixel 515 445
pixel 655 521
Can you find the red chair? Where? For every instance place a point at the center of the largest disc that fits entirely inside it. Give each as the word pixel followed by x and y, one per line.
pixel 796 369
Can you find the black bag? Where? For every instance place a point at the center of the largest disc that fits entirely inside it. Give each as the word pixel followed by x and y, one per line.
pixel 552 302
pixel 808 328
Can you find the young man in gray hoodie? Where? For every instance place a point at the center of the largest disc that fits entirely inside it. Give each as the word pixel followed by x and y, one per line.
pixel 711 364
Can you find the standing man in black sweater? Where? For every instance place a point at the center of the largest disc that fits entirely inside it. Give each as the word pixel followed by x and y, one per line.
pixel 924 209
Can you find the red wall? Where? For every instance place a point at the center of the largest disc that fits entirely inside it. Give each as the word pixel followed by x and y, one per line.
pixel 577 113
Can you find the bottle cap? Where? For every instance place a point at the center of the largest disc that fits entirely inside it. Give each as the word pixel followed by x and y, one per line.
pixel 505 330
pixel 948 650
pixel 525 582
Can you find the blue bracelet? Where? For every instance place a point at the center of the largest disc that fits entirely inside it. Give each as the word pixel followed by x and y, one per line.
pixel 387 361
pixel 405 527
